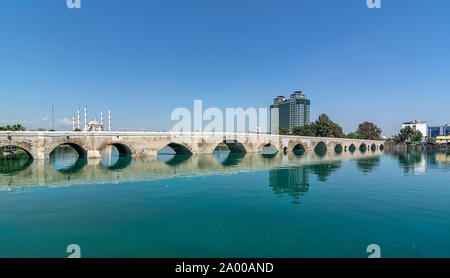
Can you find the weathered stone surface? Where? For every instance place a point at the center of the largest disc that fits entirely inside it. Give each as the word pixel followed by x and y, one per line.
pixel 139 144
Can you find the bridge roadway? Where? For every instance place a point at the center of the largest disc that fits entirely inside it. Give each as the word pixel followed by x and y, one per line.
pixel 39 144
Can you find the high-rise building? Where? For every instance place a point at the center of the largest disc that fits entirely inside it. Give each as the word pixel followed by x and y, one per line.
pixel 289 113
pixel 435 131
pixel 299 110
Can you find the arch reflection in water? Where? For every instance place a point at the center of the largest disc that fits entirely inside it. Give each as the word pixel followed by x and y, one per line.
pixel 168 166
pixel 65 159
pixel 228 158
pixel 116 157
pixel 12 166
pixel 269 155
pixel 174 159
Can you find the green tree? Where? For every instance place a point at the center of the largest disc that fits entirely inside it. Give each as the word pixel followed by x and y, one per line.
pixel 306 130
pixel 369 131
pixel 16 127
pixel 352 135
pixel 336 131
pixel 322 127
pixel 406 134
pixel 417 136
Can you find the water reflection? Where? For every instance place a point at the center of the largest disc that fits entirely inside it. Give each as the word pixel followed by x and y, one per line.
pixel 174 159
pixel 324 170
pixel 411 162
pixel 367 165
pixel 9 167
pixel 293 181
pixel 65 168
pixel 228 158
pixel 122 162
pixel 268 155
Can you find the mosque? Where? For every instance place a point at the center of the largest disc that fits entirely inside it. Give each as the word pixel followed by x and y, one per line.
pixel 91 126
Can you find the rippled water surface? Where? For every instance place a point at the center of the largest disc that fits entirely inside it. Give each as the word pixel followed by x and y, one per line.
pixel 227 205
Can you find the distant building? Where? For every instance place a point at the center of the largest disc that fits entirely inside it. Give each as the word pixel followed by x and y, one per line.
pixel 435 131
pixel 279 114
pixel 299 110
pixel 288 114
pixel 94 126
pixel 420 126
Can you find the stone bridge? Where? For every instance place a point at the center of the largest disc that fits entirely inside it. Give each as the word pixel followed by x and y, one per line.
pixel 39 144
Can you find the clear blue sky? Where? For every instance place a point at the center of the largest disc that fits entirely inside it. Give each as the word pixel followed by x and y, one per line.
pixel 146 57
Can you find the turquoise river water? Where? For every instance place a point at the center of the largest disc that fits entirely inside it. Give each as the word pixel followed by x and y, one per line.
pixel 227 205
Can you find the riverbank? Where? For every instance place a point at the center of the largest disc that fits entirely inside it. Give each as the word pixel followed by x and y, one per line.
pixel 390 146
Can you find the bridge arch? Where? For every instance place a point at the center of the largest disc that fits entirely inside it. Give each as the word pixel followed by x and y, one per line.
pixel 123 149
pixel 352 148
pixel 338 148
pixel 381 147
pixel 82 152
pixel 268 148
pixel 363 147
pixel 320 148
pixel 13 148
pixel 373 147
pixel 71 168
pixel 178 148
pixel 299 149
pixel 234 146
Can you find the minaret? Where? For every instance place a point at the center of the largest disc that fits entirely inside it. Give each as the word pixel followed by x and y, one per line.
pixel 101 120
pixel 85 118
pixel 73 122
pixel 109 119
pixel 78 123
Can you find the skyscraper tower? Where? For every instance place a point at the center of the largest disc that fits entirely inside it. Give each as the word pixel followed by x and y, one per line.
pixel 73 122
pixel 109 119
pixel 289 113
